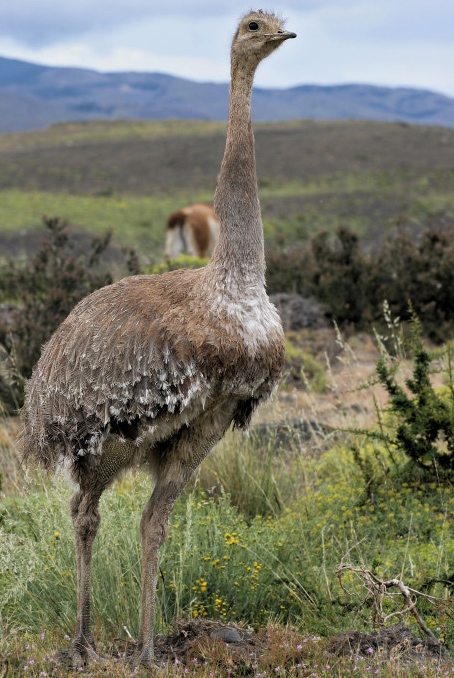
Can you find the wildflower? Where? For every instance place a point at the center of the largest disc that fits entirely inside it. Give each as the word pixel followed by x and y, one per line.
pixel 42 636
pixel 370 650
pixel 56 535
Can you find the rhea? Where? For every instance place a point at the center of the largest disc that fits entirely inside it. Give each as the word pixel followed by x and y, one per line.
pixel 193 230
pixel 154 369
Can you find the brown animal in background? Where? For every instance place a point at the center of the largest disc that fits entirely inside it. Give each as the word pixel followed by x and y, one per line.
pixel 154 369
pixel 194 230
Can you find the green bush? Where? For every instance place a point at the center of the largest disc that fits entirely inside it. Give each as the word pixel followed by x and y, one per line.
pixel 422 417
pixel 332 270
pixel 301 367
pixel 288 271
pixel 339 275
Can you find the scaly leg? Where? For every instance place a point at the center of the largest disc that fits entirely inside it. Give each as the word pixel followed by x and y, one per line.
pixel 154 528
pixel 86 519
pixel 178 462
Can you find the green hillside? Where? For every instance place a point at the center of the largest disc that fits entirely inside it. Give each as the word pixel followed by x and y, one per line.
pixel 128 176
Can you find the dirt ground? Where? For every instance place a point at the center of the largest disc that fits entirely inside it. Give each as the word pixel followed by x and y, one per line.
pixel 238 648
pixel 353 394
pixel 349 399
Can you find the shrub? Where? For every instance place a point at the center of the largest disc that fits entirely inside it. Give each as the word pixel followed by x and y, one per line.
pixel 333 270
pixel 40 293
pixel 422 417
pixel 302 368
pixel 352 283
pixel 421 272
pixel 339 275
pixel 288 270
pixel 417 424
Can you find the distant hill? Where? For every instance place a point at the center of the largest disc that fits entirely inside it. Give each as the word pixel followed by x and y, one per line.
pixel 34 96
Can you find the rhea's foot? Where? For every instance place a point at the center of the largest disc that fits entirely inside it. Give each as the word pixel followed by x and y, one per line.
pixel 142 656
pixel 82 651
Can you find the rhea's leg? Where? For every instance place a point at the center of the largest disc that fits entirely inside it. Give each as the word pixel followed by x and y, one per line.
pixel 86 519
pixel 179 460
pixel 154 527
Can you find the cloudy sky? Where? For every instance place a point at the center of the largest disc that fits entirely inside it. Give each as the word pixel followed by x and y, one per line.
pixel 383 42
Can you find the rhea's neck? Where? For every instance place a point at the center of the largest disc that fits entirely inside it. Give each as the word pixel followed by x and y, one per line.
pixel 239 254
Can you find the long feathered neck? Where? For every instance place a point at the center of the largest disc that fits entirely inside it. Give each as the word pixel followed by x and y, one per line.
pixel 239 254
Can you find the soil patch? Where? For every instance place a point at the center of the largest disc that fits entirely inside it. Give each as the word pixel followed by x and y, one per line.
pixel 397 642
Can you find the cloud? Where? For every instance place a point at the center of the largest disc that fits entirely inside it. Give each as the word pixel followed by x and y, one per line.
pixel 48 21
pixel 379 42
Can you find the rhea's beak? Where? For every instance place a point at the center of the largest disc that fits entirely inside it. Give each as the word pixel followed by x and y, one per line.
pixel 281 35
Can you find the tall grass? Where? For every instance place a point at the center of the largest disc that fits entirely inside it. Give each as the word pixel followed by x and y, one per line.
pixel 219 562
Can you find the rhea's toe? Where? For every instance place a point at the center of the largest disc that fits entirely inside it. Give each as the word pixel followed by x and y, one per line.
pixel 142 657
pixel 81 654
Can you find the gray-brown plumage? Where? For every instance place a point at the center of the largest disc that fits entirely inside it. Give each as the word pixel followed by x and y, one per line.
pixel 154 369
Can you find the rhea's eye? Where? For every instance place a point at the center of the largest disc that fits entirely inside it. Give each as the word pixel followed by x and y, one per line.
pixel 253 26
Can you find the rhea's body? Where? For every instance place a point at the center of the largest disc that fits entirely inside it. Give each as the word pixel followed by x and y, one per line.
pixel 198 348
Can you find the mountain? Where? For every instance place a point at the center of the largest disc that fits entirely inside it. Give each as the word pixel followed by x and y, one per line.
pixel 33 96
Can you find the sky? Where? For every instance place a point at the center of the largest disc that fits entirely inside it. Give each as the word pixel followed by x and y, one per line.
pixel 382 42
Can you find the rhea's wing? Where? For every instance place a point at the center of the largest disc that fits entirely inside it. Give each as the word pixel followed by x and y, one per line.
pixel 113 358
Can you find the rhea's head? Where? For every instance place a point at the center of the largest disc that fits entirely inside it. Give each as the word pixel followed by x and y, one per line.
pixel 258 35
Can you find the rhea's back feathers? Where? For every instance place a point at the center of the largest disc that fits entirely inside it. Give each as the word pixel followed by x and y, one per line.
pixel 141 348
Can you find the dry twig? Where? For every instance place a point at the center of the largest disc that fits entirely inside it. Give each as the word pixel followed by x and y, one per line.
pixel 380 589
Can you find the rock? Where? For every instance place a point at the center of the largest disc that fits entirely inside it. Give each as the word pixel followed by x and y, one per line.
pixel 228 635
pixel 297 312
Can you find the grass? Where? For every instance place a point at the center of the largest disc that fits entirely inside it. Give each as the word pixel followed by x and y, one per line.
pixel 287 652
pixel 220 563
pixel 95 131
